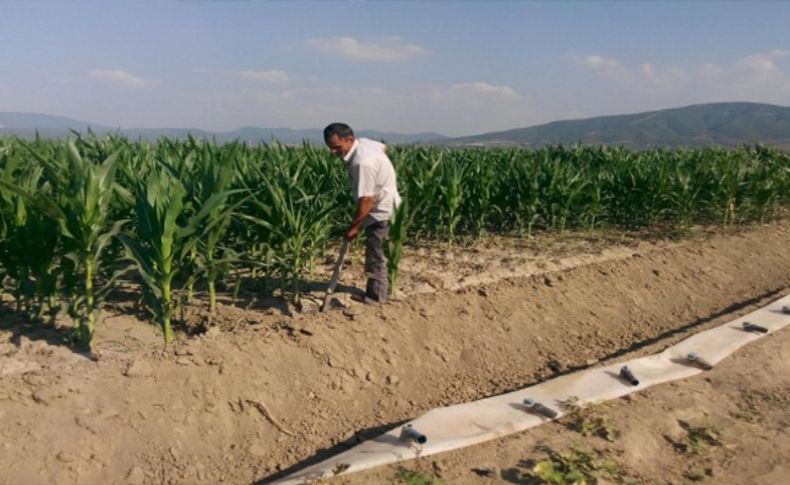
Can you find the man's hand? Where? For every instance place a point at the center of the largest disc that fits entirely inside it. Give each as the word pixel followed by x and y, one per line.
pixel 363 208
pixel 351 233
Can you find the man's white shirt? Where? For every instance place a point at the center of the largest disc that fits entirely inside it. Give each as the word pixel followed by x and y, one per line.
pixel 372 175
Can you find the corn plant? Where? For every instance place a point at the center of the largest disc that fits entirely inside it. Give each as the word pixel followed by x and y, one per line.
pixel 212 172
pixel 480 179
pixel 519 194
pixel 399 226
pixel 162 242
pixel 294 220
pixel 451 195
pixel 769 185
pixel 729 190
pixel 29 247
pixel 561 190
pixel 81 211
pixel 683 197
pixel 416 171
pixel 197 209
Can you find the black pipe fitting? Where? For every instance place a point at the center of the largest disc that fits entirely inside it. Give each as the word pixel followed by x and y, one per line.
pixel 408 434
pixel 627 375
pixel 539 408
pixel 753 327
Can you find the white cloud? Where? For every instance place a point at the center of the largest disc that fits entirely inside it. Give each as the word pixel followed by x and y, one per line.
pixel 484 88
pixel 597 62
pixel 272 76
pixel 710 70
pixel 667 78
pixel 384 50
pixel 609 68
pixel 760 77
pixel 120 78
pixel 762 65
pixel 646 77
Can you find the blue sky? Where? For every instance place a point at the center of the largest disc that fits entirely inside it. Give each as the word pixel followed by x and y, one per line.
pixel 451 67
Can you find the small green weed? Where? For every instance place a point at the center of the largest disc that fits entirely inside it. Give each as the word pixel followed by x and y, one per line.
pixel 575 467
pixel 699 438
pixel 412 477
pixel 749 406
pixel 589 419
pixel 699 474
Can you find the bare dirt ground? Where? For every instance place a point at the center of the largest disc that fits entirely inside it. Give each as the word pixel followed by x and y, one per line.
pixel 731 425
pixel 262 393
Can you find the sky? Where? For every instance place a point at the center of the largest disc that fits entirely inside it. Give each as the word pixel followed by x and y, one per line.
pixel 452 67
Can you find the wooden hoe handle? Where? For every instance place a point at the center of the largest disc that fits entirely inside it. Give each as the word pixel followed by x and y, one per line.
pixel 335 275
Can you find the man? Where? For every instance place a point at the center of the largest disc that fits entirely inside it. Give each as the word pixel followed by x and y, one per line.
pixel 375 192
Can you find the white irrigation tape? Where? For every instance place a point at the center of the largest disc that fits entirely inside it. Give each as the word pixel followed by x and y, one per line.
pixel 475 422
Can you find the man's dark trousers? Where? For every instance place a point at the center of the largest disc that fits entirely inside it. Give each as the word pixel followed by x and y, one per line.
pixel 376 261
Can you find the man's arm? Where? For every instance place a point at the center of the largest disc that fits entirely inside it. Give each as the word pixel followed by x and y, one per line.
pixel 363 208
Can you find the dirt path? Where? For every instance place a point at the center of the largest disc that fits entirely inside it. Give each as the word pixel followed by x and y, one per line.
pixel 276 393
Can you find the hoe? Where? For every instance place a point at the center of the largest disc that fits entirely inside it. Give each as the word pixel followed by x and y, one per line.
pixel 335 276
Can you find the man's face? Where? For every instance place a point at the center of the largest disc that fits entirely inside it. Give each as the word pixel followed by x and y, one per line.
pixel 339 146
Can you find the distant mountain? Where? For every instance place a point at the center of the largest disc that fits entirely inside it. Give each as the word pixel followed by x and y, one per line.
pixel 723 124
pixel 26 125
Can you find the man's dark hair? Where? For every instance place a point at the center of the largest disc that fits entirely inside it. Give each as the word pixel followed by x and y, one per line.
pixel 340 129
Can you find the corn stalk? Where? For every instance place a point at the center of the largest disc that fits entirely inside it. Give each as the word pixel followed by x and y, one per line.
pixel 399 226
pixel 162 244
pixel 80 211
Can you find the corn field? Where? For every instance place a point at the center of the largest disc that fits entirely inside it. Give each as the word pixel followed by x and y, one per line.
pixel 79 217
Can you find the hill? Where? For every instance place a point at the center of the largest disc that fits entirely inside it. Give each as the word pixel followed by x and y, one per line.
pixel 723 124
pixel 719 124
pixel 26 125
